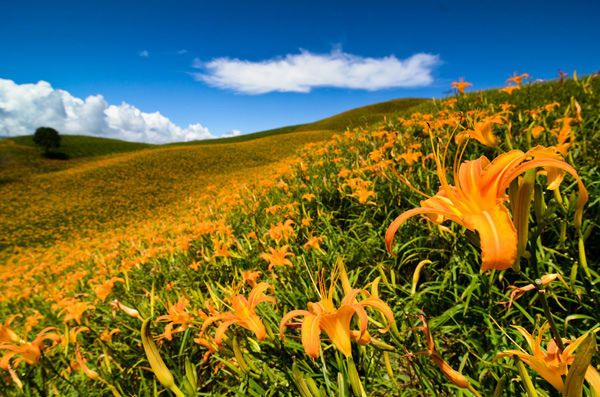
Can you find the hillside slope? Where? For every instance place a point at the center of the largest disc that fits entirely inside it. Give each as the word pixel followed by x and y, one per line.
pixel 114 190
pixel 398 301
pixel 20 158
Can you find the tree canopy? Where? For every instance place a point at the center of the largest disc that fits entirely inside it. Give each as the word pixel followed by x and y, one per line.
pixel 47 138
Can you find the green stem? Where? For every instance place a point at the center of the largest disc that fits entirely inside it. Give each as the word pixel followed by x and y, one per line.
pixel 542 294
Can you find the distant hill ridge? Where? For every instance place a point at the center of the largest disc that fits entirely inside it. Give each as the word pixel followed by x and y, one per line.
pixel 78 146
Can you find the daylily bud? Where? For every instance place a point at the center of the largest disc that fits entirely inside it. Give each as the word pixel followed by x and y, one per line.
pixel 344 276
pixel 239 357
pixel 539 204
pixel 128 310
pixel 312 386
pixel 454 376
pixel 388 365
pixel 417 274
pixel 355 382
pixel 527 383
pixel 521 207
pixel 190 374
pixel 164 376
pixel 342 386
pixel 300 382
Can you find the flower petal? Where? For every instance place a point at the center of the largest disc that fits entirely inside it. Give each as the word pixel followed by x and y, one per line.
pixel 289 316
pixel 311 331
pixel 382 307
pixel 550 163
pixel 389 234
pixel 498 237
pixel 337 327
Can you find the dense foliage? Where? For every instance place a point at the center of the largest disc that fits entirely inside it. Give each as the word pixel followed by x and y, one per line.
pixel 260 291
pixel 46 137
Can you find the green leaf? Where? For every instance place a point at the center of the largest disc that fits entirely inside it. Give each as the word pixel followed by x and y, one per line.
pixel 576 375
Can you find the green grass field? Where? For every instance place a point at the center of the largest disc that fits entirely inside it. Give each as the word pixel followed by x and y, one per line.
pixel 377 253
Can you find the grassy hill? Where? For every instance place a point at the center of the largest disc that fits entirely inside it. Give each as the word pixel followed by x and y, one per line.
pixel 251 270
pixel 20 157
pixel 45 200
pixel 76 146
pixel 350 119
pixel 100 192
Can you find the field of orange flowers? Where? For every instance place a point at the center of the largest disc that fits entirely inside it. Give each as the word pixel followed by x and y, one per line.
pixel 451 250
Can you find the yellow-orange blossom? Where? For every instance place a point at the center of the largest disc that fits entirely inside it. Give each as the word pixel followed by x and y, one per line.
pixel 476 202
pixel 334 321
pixel 552 364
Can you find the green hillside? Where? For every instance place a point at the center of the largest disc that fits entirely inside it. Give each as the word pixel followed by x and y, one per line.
pixel 76 146
pixel 421 257
pixel 350 119
pixel 20 157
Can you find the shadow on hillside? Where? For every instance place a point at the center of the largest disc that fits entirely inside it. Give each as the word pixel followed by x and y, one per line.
pixel 56 156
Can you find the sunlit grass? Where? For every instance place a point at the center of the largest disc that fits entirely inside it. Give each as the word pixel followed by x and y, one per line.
pixel 213 259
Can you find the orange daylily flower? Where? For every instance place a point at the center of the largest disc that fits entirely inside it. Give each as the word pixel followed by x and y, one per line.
pixel 476 202
pixel 194 265
pixel 277 257
pixel 31 321
pixel 207 344
pixel 242 313
pixel 536 131
pixel 104 289
pixel 177 315
pixel 410 157
pixel 552 364
pixel 550 107
pixel 73 309
pixel 564 135
pixel 482 132
pixel 29 352
pixel 509 90
pixel 314 242
pixel 221 249
pixel 106 336
pixel 281 231
pixel 251 276
pixel 460 85
pixel 517 79
pixel 323 315
pixel 7 335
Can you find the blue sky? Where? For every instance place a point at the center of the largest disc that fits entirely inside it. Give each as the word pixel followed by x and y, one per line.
pixel 225 66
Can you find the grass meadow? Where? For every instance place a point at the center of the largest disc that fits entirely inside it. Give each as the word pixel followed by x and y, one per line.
pixel 424 248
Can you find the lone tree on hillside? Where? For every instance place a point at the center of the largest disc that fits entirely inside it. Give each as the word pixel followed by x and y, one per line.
pixel 47 138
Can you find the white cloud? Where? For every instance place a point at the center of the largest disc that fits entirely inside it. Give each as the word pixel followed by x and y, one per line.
pixel 182 51
pixel 25 107
pixel 304 71
pixel 144 53
pixel 231 134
